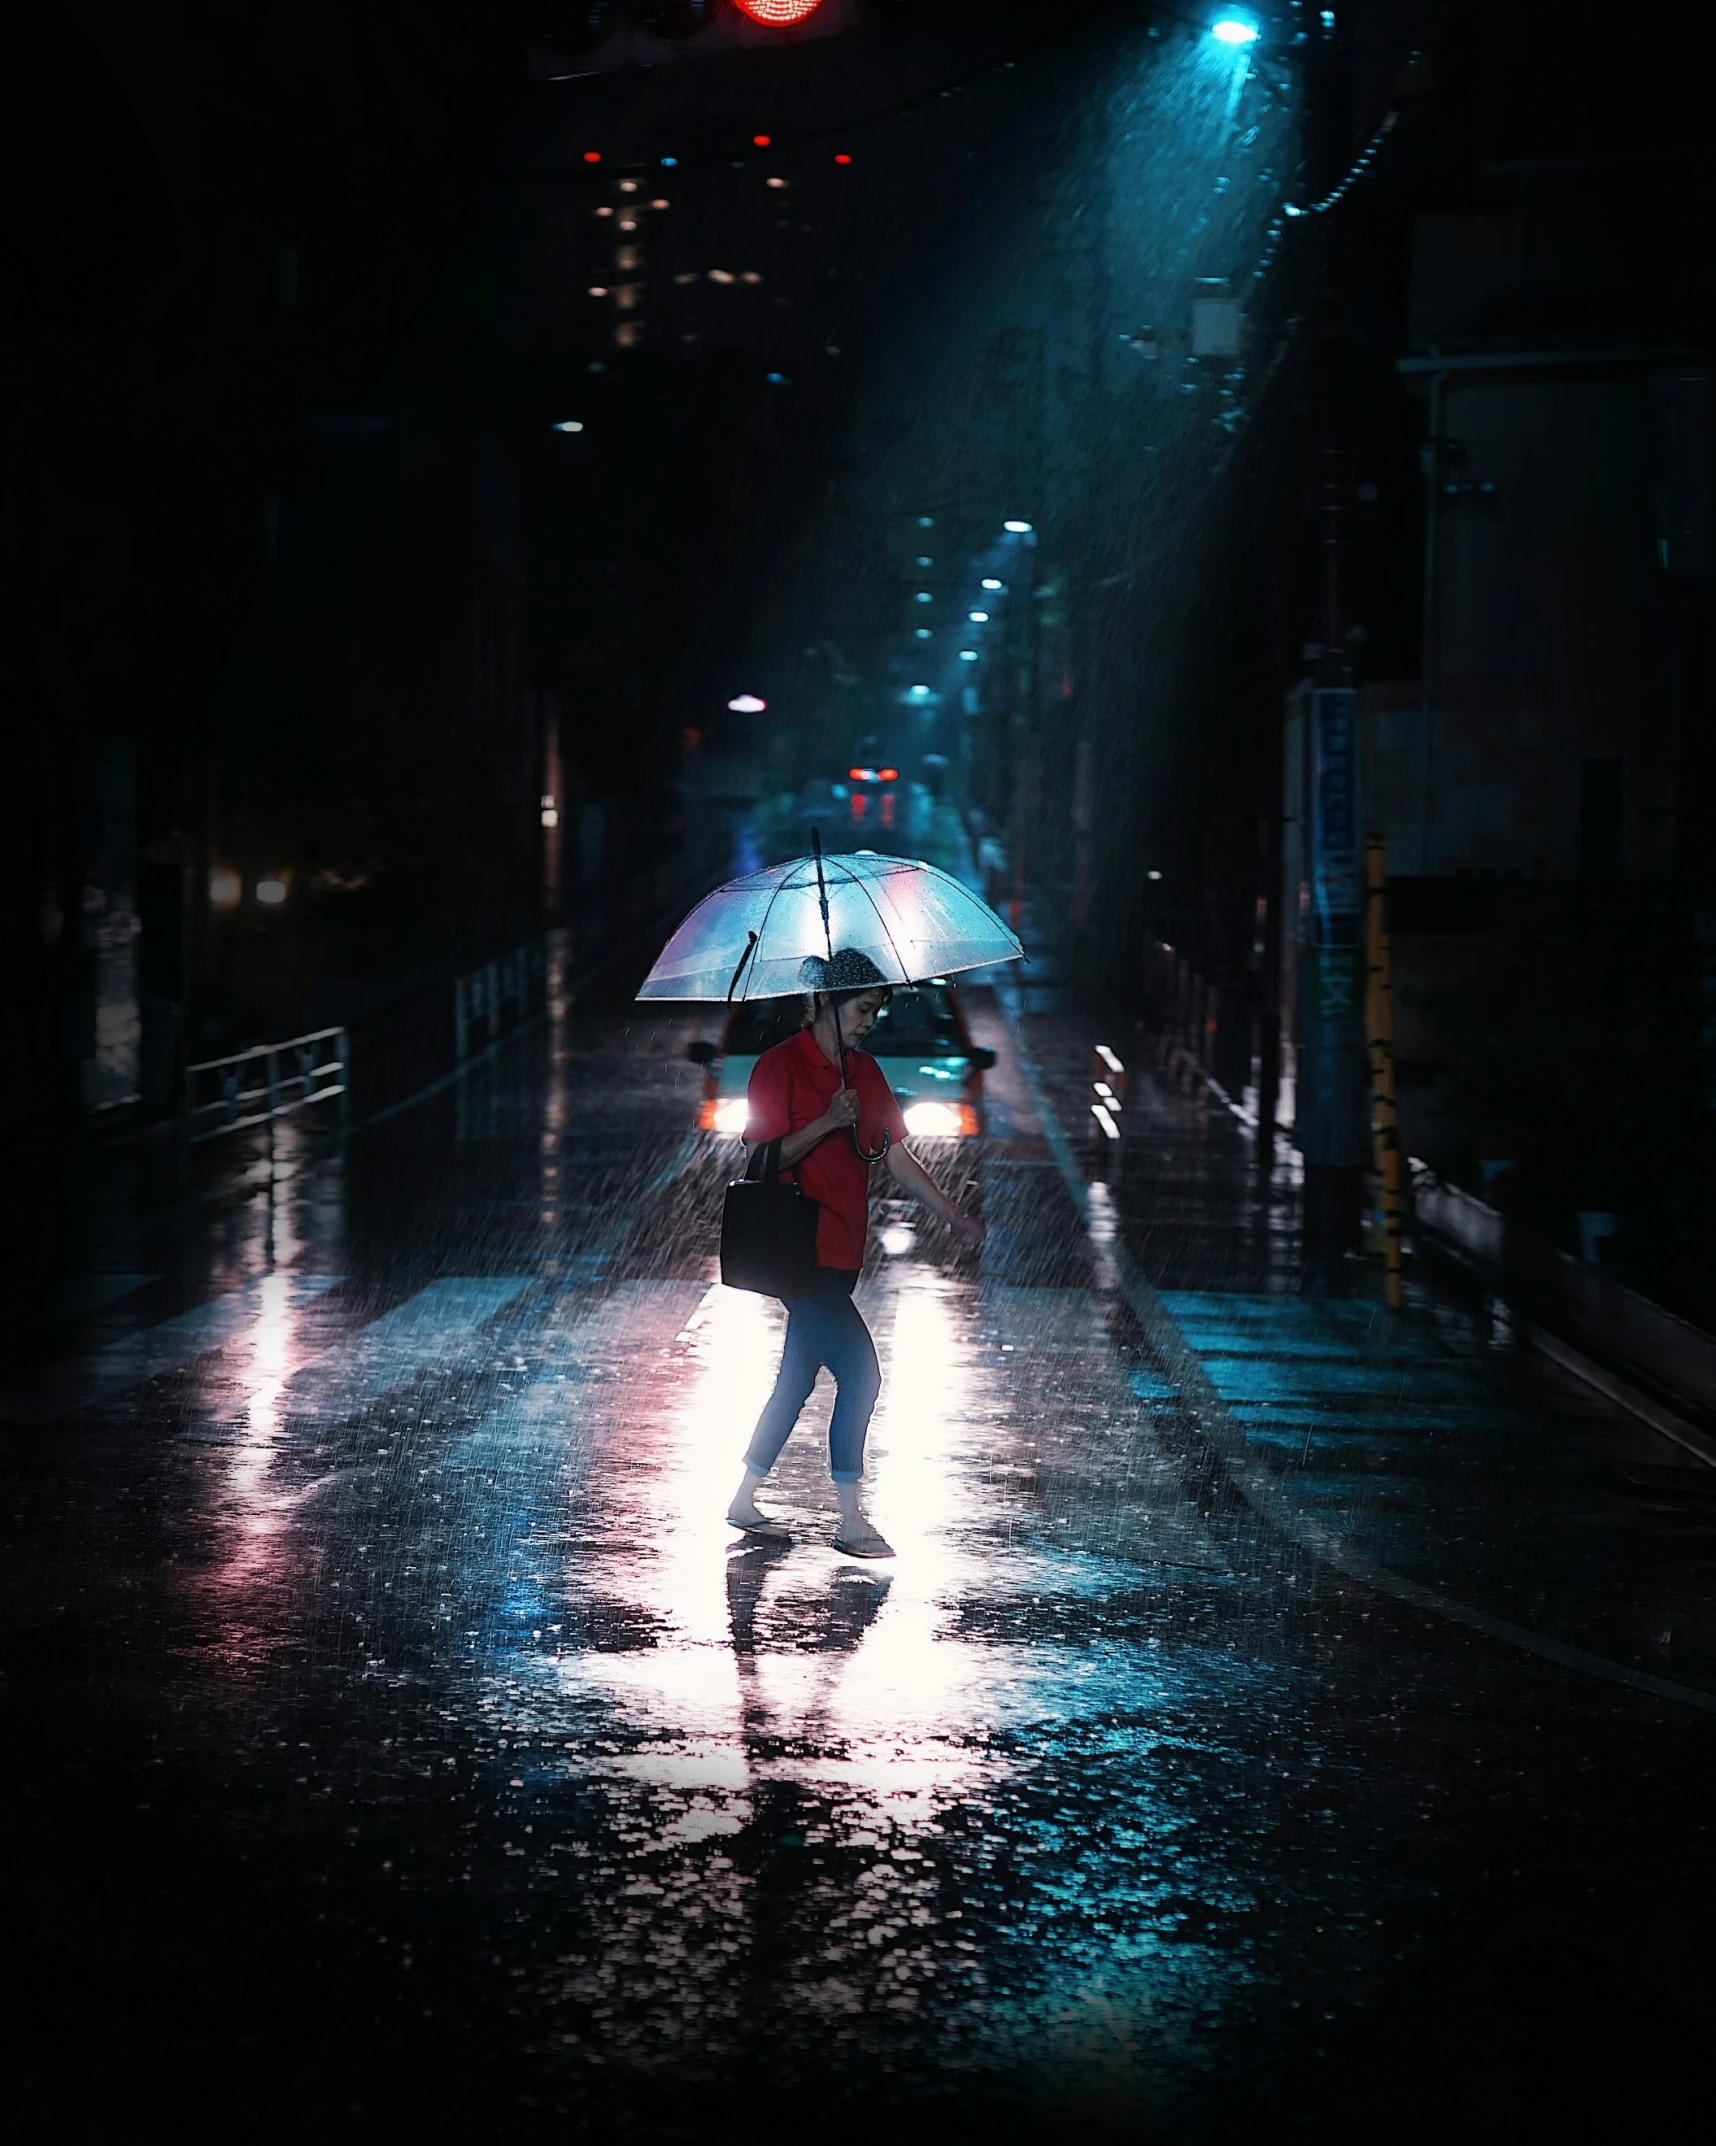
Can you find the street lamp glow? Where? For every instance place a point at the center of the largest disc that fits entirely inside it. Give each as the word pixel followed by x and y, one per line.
pixel 1017 528
pixel 990 582
pixel 570 424
pixel 968 655
pixel 1233 29
pixel 978 618
pixel 747 704
pixel 920 692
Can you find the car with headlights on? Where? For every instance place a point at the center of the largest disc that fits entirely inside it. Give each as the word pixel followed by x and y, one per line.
pixel 919 1040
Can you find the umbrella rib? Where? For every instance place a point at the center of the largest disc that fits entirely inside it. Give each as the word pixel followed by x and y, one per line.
pixel 757 956
pixel 899 958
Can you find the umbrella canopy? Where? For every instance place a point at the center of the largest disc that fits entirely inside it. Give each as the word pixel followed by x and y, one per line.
pixel 912 920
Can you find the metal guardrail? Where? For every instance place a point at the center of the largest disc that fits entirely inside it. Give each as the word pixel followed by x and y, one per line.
pixel 497 996
pixel 293 1075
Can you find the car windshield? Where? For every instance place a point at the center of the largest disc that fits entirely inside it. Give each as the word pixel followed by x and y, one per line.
pixel 917 1022
pixel 761 1023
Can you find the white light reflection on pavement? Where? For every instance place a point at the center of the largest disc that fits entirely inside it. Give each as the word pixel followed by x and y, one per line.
pixel 248 1513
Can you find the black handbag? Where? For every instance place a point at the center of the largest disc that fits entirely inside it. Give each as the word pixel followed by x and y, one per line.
pixel 768 1232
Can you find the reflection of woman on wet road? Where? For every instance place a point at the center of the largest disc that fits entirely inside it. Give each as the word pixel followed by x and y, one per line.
pixel 797 1096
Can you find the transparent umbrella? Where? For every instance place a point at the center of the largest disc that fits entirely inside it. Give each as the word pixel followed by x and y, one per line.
pixel 750 938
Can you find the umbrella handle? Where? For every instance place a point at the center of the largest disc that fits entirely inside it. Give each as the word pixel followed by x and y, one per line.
pixel 750 949
pixel 863 1154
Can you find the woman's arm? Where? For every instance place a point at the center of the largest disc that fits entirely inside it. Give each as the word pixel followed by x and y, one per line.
pixel 906 1170
pixel 842 1111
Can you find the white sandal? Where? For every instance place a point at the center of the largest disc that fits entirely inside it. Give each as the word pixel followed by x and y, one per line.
pixel 866 1542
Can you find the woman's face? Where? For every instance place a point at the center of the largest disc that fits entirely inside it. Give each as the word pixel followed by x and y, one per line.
pixel 858 1015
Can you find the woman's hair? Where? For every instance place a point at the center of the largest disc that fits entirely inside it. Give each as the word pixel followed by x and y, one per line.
pixel 848 976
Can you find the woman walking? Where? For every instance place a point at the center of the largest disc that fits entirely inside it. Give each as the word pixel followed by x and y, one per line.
pixel 814 1094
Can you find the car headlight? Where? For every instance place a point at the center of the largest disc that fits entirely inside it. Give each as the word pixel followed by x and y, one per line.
pixel 941 1121
pixel 724 1114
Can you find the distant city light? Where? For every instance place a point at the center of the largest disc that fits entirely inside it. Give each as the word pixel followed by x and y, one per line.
pixel 598 290
pixel 762 141
pixel 990 582
pixel 669 162
pixel 923 633
pixel 924 559
pixel 570 424
pixel 271 891
pixel 550 817
pixel 775 182
pixel 226 889
pixel 925 597
pixel 920 692
pixel 1234 29
pixel 978 618
pixel 778 380
pixel 1152 875
pixel 840 157
pixel 1017 528
pixel 628 186
pixel 968 655
pixel 926 521
pixel 747 704
pixel 592 156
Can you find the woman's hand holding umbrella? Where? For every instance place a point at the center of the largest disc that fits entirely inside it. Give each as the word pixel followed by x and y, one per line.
pixel 842 1112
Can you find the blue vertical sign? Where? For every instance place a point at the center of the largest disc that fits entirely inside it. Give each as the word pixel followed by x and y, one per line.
pixel 1337 865
pixel 1332 1114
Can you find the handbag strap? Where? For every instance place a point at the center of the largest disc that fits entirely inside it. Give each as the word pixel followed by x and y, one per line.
pixel 764 1166
pixel 765 1163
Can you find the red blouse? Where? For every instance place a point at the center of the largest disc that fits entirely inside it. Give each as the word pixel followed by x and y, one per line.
pixel 790 1087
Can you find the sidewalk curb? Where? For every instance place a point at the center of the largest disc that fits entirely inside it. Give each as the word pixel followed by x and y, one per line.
pixel 1256 1483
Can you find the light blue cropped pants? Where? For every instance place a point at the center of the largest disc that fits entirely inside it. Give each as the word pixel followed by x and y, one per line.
pixel 822 1330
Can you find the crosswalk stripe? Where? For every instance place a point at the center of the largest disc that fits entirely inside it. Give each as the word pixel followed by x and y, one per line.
pixel 84 1382
pixel 426 1329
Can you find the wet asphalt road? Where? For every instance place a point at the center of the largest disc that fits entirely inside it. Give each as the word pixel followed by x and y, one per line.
pixel 1277 1720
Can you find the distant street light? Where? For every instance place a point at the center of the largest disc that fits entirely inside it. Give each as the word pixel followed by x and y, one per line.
pixel 747 704
pixel 978 618
pixel 968 655
pixel 1017 528
pixel 570 424
pixel 1232 28
pixel 990 582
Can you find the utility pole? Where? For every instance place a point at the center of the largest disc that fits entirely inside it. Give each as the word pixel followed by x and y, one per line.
pixel 1024 729
pixel 1332 1070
